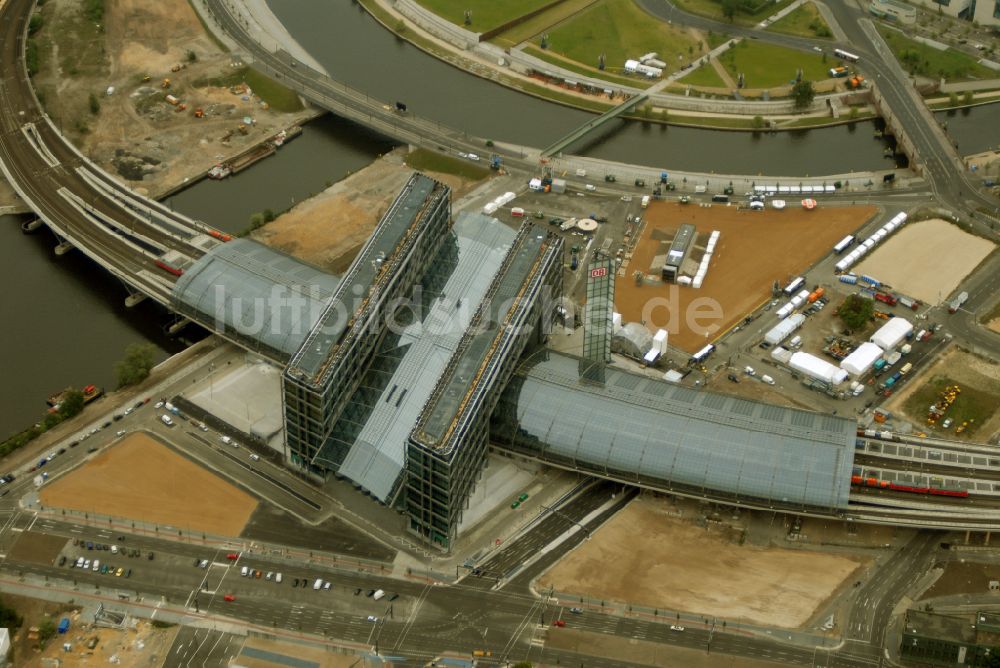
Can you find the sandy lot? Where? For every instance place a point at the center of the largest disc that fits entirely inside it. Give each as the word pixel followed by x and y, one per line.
pixel 142 479
pixel 647 556
pixel 926 260
pixel 755 249
pixel 329 229
pixel 967 370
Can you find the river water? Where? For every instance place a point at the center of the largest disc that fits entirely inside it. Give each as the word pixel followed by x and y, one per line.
pixel 976 129
pixel 355 49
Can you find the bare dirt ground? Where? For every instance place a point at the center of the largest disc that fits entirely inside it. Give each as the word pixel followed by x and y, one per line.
pixel 755 248
pixel 40 548
pixel 647 556
pixel 926 260
pixel 994 325
pixel 137 135
pixel 142 479
pixel 968 577
pixel 589 643
pixel 139 647
pixel 964 368
pixel 328 229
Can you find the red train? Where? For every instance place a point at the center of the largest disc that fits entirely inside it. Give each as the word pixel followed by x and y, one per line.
pixel 169 269
pixel 885 484
pixel 221 236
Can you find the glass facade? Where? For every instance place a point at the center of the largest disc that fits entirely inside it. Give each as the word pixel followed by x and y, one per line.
pixel 447 449
pixel 328 368
pixel 600 306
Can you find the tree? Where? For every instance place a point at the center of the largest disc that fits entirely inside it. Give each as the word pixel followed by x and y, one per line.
pixel 758 122
pixel 135 366
pixel 968 97
pixel 729 8
pixel 46 630
pixel 95 104
pixel 9 617
pixel 71 404
pixel 803 94
pixel 856 311
pixel 192 57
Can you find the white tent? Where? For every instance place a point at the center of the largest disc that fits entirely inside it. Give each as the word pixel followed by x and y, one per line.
pixel 814 367
pixel 892 333
pixel 862 359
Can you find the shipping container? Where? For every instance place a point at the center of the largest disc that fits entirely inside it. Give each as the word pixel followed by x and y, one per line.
pixel 816 294
pixel 850 279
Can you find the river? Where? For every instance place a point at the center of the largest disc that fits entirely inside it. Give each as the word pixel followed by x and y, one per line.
pixel 355 49
pixel 976 129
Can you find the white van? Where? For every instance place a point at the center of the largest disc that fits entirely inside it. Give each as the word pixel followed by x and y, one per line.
pixel 645 201
pixel 244 571
pixel 97 564
pixel 277 577
pixel 378 594
pixel 767 379
pixel 167 421
pixel 317 584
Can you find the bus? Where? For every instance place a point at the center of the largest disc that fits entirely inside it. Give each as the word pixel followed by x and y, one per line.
pixel 702 354
pixel 794 286
pixel 840 53
pixel 843 244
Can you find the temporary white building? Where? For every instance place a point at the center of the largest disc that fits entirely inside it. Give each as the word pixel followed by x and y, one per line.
pixel 814 367
pixel 892 333
pixel 862 359
pixel 660 341
pixel 783 329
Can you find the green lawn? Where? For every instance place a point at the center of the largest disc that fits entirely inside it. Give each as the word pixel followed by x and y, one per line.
pixel 431 161
pixel 447 56
pixel 704 76
pixel 917 58
pixel 973 404
pixel 767 65
pixel 539 24
pixel 713 10
pixel 804 21
pixel 486 14
pixel 573 66
pixel 620 30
